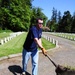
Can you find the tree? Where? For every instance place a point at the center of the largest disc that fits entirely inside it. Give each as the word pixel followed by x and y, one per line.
pixel 54 15
pixel 17 16
pixel 37 13
pixel 73 23
pixel 58 21
pixel 65 25
pixel 59 17
pixel 54 20
pixel 5 3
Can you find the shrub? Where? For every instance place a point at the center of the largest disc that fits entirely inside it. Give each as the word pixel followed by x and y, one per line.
pixel 46 29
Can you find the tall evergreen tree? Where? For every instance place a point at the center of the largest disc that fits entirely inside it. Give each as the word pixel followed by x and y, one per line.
pixel 54 15
pixel 73 23
pixel 59 17
pixel 66 22
pixel 54 20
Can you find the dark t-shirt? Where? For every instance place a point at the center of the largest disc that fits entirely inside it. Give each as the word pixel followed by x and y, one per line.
pixel 30 44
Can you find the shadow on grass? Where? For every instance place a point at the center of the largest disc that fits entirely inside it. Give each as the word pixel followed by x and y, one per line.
pixel 16 69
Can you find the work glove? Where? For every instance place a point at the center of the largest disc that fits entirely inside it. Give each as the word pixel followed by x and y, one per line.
pixel 44 51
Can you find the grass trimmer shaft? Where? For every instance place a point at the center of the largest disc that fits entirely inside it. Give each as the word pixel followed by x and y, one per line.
pixel 59 68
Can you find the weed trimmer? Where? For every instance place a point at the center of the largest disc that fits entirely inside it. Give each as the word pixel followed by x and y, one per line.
pixel 59 68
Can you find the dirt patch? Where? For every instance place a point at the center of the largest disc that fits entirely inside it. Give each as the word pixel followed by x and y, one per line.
pixel 67 72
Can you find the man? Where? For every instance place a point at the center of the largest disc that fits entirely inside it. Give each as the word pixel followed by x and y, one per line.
pixel 30 47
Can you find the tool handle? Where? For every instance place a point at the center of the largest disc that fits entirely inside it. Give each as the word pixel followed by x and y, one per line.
pixel 51 61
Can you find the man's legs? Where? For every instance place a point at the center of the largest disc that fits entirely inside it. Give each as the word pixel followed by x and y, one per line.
pixel 35 62
pixel 25 58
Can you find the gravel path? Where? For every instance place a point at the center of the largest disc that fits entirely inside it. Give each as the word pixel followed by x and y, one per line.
pixel 64 55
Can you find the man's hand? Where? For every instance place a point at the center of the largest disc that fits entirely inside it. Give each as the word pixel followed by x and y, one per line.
pixel 44 51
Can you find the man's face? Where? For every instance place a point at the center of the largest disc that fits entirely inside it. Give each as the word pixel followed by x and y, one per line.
pixel 40 23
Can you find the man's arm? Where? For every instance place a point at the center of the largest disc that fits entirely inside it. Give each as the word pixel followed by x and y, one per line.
pixel 39 43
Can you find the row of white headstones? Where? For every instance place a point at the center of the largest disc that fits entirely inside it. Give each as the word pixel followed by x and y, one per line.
pixel 70 36
pixel 67 37
pixel 6 39
pixel 52 40
pixel 12 35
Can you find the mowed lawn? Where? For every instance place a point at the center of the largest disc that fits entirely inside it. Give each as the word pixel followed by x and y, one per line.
pixel 16 45
pixel 4 34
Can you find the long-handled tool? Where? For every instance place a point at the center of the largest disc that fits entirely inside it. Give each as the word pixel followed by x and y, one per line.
pixel 59 68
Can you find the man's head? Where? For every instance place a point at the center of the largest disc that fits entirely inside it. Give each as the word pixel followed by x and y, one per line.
pixel 39 22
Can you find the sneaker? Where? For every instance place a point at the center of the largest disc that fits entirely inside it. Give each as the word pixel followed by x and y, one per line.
pixel 23 73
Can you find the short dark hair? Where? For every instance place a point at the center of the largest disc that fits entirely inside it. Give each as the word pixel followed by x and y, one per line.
pixel 38 19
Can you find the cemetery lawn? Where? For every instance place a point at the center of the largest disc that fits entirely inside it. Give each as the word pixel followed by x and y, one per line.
pixel 15 45
pixel 4 34
pixel 69 36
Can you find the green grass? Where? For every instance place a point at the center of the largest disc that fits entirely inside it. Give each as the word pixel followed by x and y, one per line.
pixel 1 31
pixel 47 44
pixel 70 68
pixel 13 46
pixel 16 44
pixel 4 34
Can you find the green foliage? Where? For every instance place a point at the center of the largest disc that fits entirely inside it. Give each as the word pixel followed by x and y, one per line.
pixel 58 23
pixel 46 29
pixel 37 13
pixel 18 15
pixel 73 23
pixel 66 21
pixel 54 15
pixel 3 17
pixel 5 31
